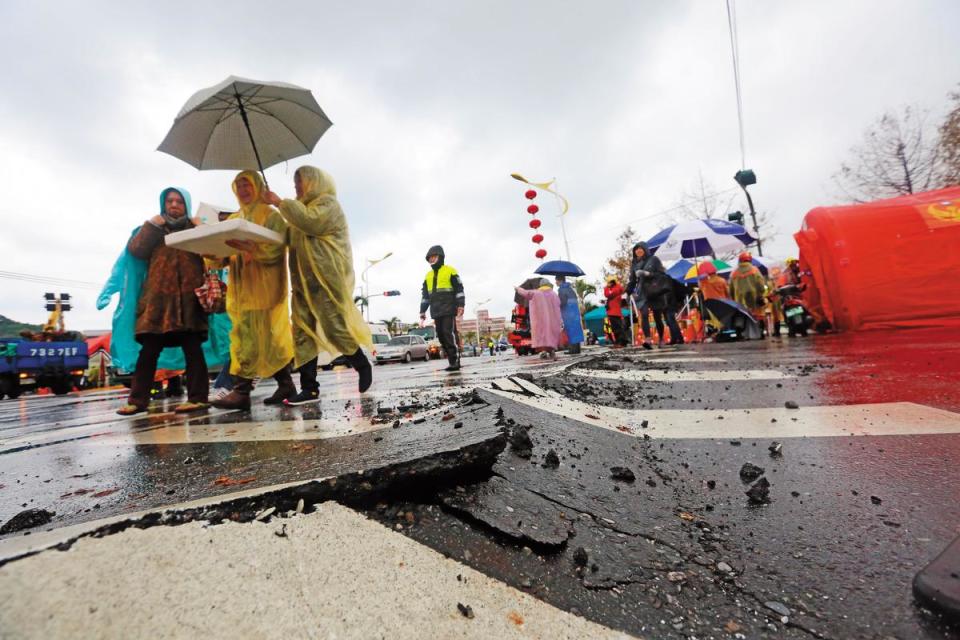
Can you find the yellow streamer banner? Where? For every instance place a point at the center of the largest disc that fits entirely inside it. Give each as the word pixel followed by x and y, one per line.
pixel 545 186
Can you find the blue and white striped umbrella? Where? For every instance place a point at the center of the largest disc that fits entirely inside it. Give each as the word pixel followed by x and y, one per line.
pixel 699 238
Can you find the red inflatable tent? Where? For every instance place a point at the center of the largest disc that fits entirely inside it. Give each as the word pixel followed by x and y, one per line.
pixel 885 264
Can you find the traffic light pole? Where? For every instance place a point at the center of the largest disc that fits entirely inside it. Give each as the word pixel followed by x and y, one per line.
pixel 753 216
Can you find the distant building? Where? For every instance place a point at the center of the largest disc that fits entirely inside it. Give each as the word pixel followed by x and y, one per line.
pixel 487 325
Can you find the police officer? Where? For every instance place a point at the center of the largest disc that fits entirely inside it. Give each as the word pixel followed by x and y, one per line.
pixel 443 294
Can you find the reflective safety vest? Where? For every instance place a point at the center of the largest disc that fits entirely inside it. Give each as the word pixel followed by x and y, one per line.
pixel 439 290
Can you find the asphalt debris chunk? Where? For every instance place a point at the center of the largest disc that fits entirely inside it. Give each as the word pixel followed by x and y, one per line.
pixel 580 557
pixel 873 499
pixel 27 519
pixel 551 460
pixel 775 449
pixel 750 472
pixel 622 473
pixel 759 493
pixel 520 443
pixel 790 404
pixel 465 610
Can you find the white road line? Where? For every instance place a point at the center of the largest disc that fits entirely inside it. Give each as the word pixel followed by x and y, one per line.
pixel 673 375
pixel 884 419
pixel 360 580
pixel 658 359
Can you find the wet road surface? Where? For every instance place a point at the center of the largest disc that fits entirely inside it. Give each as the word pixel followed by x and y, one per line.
pixel 863 489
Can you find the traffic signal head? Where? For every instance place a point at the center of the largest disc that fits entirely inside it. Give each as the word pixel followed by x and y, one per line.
pixel 745 177
pixel 391 293
pixel 736 216
pixel 49 296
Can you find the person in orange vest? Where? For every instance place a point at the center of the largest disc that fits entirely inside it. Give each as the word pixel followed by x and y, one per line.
pixel 712 286
pixel 613 292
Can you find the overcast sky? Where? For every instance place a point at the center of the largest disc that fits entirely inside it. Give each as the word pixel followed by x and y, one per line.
pixel 434 104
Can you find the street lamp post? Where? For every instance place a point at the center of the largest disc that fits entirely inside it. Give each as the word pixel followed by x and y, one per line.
pixel 366 285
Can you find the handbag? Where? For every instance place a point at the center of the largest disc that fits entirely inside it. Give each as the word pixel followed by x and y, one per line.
pixel 656 285
pixel 213 293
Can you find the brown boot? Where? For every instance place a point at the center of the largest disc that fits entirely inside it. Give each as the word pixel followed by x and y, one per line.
pixel 239 398
pixel 285 387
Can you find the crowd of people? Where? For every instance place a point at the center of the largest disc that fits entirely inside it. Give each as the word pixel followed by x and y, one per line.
pixel 283 324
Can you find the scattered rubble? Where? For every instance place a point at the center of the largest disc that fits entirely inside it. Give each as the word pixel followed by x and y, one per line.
pixel 27 519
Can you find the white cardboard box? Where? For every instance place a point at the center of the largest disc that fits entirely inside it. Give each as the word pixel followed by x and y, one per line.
pixel 210 239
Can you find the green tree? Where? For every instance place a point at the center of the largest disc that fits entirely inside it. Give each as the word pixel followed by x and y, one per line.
pixel 394 325
pixel 618 265
pixel 950 143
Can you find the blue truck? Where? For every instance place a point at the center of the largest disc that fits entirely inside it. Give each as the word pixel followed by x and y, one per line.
pixel 26 365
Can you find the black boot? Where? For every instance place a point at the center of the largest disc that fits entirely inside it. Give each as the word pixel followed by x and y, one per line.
pixel 309 389
pixel 454 364
pixel 359 362
pixel 285 387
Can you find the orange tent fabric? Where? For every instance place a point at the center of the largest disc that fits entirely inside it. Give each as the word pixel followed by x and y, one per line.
pixel 885 264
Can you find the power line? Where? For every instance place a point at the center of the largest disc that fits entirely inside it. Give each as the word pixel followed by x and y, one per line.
pixel 735 55
pixel 49 280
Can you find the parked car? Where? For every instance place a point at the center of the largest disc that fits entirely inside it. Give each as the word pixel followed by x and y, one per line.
pixel 404 349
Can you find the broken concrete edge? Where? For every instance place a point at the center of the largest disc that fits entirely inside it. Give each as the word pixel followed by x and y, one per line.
pixel 937 586
pixel 434 470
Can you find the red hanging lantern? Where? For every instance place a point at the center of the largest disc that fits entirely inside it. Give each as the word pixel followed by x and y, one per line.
pixel 531 194
pixel 541 253
pixel 534 224
pixel 537 238
pixel 533 209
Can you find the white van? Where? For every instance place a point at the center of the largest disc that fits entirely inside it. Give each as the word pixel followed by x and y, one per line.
pixel 380 335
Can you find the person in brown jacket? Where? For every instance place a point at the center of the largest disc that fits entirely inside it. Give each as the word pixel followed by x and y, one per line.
pixel 168 311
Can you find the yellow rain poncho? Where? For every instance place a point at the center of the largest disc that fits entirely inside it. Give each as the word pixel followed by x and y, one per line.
pixel 325 319
pixel 261 342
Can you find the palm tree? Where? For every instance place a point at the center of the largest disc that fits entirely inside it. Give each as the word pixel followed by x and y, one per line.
pixel 583 289
pixel 393 325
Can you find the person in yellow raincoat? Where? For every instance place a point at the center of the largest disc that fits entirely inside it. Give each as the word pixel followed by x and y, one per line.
pixel 325 319
pixel 261 343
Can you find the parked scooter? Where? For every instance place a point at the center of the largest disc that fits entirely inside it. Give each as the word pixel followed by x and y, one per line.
pixel 795 315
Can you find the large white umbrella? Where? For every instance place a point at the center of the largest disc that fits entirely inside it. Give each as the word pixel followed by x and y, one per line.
pixel 245 124
pixel 698 238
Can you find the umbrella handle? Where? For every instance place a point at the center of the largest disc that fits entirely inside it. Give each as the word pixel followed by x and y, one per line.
pixel 246 123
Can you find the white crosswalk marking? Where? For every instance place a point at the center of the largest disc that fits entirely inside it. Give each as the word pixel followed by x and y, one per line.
pixel 894 418
pixel 677 375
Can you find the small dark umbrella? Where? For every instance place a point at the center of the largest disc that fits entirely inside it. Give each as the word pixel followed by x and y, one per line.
pixel 532 284
pixel 560 268
pixel 734 316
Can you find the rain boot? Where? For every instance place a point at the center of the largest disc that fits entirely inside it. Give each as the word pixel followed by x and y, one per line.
pixel 239 398
pixel 360 362
pixel 285 387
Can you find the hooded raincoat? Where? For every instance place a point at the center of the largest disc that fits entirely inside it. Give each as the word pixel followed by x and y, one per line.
pixel 261 342
pixel 546 323
pixel 325 319
pixel 570 311
pixel 129 278
pixel 747 286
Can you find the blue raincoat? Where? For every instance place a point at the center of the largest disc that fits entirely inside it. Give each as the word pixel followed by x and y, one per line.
pixel 570 312
pixel 127 278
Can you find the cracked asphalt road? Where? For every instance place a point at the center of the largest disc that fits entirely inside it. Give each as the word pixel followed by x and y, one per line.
pixel 857 437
